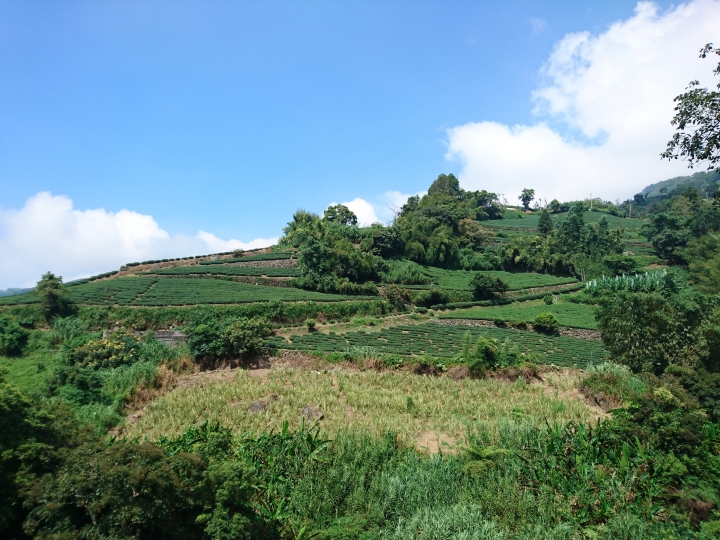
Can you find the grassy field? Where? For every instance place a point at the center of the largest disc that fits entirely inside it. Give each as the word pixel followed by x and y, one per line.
pixel 423 411
pixel 531 221
pixel 226 270
pixel 460 279
pixel 29 372
pixel 444 341
pixel 573 315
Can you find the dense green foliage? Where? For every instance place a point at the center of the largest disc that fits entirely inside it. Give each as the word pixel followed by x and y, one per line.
pixel 678 221
pixel 650 331
pixel 12 336
pixel 213 339
pixel 574 247
pixel 52 295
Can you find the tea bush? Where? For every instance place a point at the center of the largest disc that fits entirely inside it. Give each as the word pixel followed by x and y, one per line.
pixel 546 323
pixel 486 286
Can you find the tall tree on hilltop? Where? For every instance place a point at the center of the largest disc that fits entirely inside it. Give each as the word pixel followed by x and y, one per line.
pixel 341 214
pixel 527 196
pixel 446 184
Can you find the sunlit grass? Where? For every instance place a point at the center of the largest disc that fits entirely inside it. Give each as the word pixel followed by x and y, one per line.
pixel 375 402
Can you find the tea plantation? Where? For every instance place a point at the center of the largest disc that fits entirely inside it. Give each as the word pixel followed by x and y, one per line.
pixel 152 291
pixel 227 270
pixel 272 256
pixel 531 221
pixel 188 291
pixel 446 341
pixel 572 315
pixel 460 279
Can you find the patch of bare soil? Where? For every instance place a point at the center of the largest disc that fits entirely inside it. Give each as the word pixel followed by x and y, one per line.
pixel 556 378
pixel 458 372
pixel 432 442
pixel 598 399
pixel 511 375
pixel 165 381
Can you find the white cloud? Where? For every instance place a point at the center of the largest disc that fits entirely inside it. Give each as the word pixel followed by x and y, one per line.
pixel 217 245
pixel 47 233
pixel 615 89
pixel 538 25
pixel 364 211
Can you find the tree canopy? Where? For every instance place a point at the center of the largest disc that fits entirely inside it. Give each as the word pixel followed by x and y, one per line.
pixel 697 120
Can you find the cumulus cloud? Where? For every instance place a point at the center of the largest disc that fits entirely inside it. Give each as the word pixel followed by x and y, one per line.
pixel 218 245
pixel 47 233
pixel 603 107
pixel 364 211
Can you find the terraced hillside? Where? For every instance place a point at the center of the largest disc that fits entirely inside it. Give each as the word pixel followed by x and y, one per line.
pixel 568 314
pixel 444 341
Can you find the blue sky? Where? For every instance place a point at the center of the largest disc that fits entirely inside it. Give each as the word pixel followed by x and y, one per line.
pixel 227 116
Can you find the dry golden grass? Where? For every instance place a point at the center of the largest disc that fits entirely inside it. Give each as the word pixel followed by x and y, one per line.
pixel 416 408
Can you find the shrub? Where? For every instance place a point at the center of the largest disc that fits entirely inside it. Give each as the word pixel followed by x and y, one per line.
pixel 549 299
pixel 210 339
pixel 486 286
pixel 12 337
pixel 65 329
pixel 546 323
pixel 395 294
pixel 406 273
pixel 120 349
pixel 310 323
pixel 52 293
pixel 615 380
pixel 245 336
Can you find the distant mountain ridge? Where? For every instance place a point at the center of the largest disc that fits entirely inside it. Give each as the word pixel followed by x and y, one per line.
pixel 705 182
pixel 14 291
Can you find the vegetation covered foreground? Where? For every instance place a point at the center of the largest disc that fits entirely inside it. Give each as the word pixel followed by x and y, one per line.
pixel 470 371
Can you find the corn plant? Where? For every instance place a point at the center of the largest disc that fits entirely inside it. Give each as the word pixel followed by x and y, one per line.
pixel 645 282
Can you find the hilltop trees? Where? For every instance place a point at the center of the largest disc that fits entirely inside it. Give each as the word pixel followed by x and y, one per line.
pixel 440 229
pixel 340 214
pixel 527 196
pixel 573 247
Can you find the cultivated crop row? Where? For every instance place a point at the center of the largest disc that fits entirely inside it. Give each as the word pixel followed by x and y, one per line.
pixel 573 315
pixel 272 256
pixel 447 341
pixel 224 270
pixel 189 291
pixel 646 282
pixel 460 279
